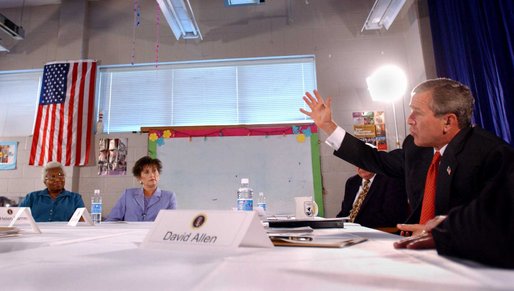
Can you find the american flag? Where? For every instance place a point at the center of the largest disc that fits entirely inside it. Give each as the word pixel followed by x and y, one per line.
pixel 64 118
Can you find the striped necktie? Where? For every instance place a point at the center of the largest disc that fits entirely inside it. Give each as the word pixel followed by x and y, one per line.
pixel 357 205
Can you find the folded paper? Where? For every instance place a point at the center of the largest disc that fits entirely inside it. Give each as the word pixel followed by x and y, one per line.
pixel 80 213
pixel 18 216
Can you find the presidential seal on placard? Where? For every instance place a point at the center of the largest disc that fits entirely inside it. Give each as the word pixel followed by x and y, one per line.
pixel 198 221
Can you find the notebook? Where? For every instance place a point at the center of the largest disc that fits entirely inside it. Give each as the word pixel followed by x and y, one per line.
pixel 313 223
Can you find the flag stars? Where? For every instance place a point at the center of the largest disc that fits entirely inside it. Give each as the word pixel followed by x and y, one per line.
pixel 55 80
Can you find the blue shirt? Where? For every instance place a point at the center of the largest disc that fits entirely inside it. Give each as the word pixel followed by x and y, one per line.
pixel 131 205
pixel 45 209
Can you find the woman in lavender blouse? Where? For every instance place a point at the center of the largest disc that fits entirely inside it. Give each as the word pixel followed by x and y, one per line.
pixel 143 204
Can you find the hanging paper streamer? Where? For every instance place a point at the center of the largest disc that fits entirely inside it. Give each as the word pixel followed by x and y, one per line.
pixel 153 136
pixel 307 132
pixel 166 133
pixel 296 129
pixel 301 132
pixel 157 33
pixel 138 15
pixel 137 21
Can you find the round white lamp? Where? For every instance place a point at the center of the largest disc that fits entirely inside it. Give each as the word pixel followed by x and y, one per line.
pixel 388 84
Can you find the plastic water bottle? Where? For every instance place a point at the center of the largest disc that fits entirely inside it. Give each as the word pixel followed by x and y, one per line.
pixel 96 207
pixel 261 201
pixel 245 196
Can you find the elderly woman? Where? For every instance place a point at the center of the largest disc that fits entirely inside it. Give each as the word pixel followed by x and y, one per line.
pixel 143 204
pixel 53 203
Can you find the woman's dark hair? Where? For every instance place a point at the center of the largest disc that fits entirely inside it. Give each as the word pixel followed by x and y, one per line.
pixel 146 161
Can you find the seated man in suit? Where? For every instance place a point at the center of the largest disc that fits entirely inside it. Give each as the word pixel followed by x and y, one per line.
pixel 450 167
pixel 374 201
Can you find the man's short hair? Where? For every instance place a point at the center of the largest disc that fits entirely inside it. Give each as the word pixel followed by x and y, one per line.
pixel 449 96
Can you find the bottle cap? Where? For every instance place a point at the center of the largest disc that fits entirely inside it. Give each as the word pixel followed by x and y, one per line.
pixel 97 191
pixel 245 181
pixel 261 194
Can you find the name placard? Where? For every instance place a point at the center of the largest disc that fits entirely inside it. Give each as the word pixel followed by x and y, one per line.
pixel 206 228
pixel 18 216
pixel 7 214
pixel 80 213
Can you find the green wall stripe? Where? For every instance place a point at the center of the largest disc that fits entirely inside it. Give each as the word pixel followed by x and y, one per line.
pixel 316 174
pixel 152 149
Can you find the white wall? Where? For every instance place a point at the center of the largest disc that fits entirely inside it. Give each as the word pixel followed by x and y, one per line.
pixel 329 29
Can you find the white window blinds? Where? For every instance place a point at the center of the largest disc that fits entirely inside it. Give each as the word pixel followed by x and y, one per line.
pixel 19 92
pixel 243 91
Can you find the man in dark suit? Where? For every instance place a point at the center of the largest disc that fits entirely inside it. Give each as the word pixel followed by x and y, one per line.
pixel 384 205
pixel 470 180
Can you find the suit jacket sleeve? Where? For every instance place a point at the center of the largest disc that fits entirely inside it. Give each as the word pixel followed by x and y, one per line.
pixel 119 209
pixel 173 201
pixel 356 152
pixel 483 230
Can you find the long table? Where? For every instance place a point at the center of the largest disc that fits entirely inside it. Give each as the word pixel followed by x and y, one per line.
pixel 108 257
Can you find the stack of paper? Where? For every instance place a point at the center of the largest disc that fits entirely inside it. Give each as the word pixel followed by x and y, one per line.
pixel 7 231
pixel 306 237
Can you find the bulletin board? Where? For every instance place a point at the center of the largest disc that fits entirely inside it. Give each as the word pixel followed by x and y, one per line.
pixel 204 165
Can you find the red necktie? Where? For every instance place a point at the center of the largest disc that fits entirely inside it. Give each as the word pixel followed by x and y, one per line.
pixel 428 206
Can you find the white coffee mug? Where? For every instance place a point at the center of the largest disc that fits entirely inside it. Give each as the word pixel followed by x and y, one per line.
pixel 305 207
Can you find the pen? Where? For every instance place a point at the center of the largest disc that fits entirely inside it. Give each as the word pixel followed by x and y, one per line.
pixel 300 238
pixel 296 238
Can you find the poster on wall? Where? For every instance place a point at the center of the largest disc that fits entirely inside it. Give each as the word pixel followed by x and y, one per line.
pixel 8 152
pixel 369 126
pixel 112 160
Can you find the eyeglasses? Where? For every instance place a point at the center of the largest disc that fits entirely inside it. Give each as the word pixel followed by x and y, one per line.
pixel 59 176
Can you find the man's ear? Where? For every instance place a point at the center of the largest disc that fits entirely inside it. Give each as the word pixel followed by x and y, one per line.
pixel 450 123
pixel 451 119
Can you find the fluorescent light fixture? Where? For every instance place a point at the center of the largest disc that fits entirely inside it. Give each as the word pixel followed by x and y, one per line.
pixel 181 18
pixel 383 14
pixel 243 2
pixel 10 33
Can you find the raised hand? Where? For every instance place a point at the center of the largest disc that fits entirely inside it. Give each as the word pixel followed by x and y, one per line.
pixel 321 112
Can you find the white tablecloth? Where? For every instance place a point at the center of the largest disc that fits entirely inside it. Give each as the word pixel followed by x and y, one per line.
pixel 108 257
